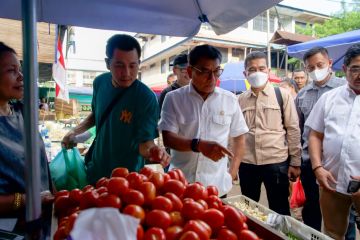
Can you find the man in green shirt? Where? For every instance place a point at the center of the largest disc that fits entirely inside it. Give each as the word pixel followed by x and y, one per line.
pixel 127 136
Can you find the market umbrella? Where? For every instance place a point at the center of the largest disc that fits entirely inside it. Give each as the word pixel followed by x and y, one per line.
pixel 172 17
pixel 233 79
pixel 157 89
pixel 335 44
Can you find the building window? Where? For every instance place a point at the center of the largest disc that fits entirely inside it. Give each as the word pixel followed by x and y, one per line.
pixel 260 23
pixel 152 65
pixel 171 61
pixel 163 66
pixel 300 26
pixel 224 53
pixel 163 38
pixel 238 53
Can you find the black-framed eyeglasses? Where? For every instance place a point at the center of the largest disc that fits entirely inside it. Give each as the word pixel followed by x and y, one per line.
pixel 217 72
pixel 354 70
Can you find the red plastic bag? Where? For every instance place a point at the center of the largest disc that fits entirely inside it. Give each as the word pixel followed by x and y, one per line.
pixel 298 196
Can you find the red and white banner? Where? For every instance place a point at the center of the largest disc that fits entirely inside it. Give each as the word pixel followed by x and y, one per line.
pixel 59 74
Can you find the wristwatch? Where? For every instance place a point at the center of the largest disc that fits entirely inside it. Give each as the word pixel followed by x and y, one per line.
pixel 195 145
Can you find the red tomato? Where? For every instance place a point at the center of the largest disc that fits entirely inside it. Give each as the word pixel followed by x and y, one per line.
pixel 135 211
pixel 63 204
pixel 158 218
pixel 154 154
pixel 87 188
pixel 120 172
pixel 166 177
pixel 245 226
pixel 185 200
pixel 75 195
pixel 200 227
pixel 162 203
pixel 212 190
pixel 189 235
pixel 174 175
pixel 149 191
pixel 140 232
pixel 214 202
pixel 154 233
pixel 233 219
pixel 118 186
pixel 134 197
pixel 226 234
pixel 88 199
pixel 62 193
pixel 176 202
pixel 176 218
pixel 192 210
pixel 157 179
pixel 174 186
pixel 134 180
pixel 203 203
pixel 71 221
pixel 194 191
pixel 146 171
pixel 214 218
pixel 109 200
pixel 61 233
pixel 248 235
pixel 102 182
pixel 101 190
pixel 180 174
pixel 173 232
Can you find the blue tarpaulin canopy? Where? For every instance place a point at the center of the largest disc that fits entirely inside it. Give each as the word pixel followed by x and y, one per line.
pixel 233 79
pixel 171 17
pixel 335 44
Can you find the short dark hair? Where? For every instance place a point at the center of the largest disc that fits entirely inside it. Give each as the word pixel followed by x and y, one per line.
pixel 122 42
pixel 351 53
pixel 315 50
pixel 204 51
pixel 5 48
pixel 255 55
pixel 299 70
pixel 171 75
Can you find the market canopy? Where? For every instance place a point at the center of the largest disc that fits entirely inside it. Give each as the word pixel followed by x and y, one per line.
pixel 335 44
pixel 172 17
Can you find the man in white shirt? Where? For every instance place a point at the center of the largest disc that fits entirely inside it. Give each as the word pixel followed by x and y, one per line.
pixel 197 121
pixel 334 144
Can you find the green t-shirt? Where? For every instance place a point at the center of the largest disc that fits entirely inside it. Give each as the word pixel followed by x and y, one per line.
pixel 133 120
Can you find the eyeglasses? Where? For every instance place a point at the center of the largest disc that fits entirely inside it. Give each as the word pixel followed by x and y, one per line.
pixel 217 72
pixel 355 71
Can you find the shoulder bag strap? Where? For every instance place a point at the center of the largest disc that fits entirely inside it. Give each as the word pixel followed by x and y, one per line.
pixel 280 102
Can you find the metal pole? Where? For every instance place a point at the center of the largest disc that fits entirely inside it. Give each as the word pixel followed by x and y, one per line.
pixel 268 37
pixel 32 152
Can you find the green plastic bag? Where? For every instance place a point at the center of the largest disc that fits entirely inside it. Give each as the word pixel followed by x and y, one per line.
pixel 67 170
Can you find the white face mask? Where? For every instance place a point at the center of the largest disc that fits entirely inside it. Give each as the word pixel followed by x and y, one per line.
pixel 319 74
pixel 257 79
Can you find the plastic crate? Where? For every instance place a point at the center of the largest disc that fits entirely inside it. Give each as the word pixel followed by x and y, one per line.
pixel 302 231
pixel 251 204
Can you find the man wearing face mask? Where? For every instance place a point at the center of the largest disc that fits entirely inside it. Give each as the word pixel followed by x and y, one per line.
pixel 318 66
pixel 270 140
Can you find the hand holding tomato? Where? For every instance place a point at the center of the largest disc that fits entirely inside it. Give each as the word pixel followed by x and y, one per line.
pixel 159 155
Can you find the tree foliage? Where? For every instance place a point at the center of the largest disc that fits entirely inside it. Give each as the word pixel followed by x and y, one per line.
pixel 343 21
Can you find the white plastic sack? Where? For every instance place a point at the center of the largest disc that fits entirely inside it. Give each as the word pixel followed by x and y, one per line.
pixel 104 223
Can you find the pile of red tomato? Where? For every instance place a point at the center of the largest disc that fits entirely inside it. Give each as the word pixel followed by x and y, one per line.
pixel 167 206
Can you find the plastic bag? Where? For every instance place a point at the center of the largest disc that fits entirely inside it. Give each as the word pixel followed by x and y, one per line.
pixel 298 196
pixel 104 223
pixel 67 170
